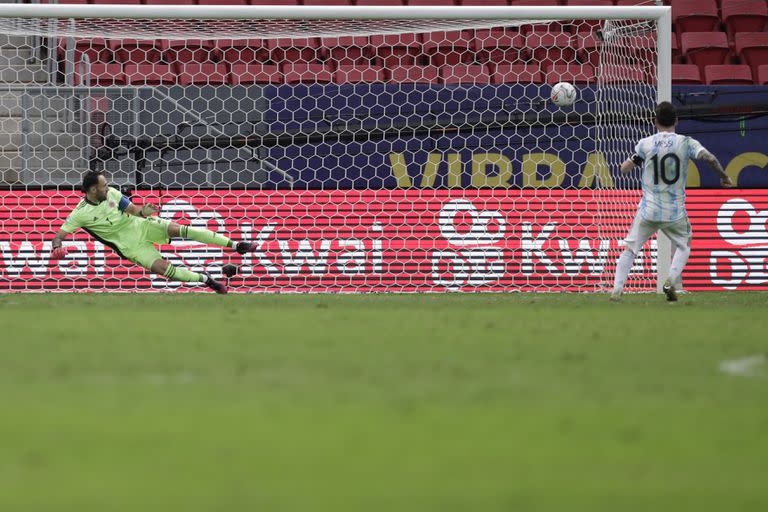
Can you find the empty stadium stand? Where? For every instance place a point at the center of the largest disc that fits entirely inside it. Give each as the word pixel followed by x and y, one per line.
pixel 707 33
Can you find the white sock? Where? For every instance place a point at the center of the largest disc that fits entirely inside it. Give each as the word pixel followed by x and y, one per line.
pixel 623 266
pixel 678 264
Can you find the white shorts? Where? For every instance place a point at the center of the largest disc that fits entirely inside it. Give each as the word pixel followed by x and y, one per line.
pixel 679 232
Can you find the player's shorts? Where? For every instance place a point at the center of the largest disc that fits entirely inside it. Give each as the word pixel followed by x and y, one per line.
pixel 153 230
pixel 679 232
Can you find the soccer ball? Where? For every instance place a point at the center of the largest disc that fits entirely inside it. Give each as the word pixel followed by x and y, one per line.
pixel 563 94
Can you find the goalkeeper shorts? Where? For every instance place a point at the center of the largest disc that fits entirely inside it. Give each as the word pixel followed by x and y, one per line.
pixel 143 252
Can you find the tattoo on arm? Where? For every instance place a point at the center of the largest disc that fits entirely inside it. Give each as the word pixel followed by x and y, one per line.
pixel 627 166
pixel 58 239
pixel 713 162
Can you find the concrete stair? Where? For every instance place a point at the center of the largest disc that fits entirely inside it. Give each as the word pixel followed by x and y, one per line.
pixel 50 153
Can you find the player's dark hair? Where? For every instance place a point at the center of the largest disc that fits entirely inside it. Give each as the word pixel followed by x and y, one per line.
pixel 90 179
pixel 666 114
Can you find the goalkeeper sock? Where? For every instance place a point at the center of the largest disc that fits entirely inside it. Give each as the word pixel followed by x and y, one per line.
pixel 205 236
pixel 185 275
pixel 623 266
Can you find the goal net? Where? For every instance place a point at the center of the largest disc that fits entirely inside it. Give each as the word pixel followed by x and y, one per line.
pixel 362 149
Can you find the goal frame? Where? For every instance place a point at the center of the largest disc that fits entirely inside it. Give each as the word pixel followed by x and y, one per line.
pixel 661 15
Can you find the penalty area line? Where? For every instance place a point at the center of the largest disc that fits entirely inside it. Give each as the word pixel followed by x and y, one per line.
pixel 752 366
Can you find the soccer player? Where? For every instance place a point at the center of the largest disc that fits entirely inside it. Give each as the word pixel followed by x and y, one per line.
pixel 131 231
pixel 664 157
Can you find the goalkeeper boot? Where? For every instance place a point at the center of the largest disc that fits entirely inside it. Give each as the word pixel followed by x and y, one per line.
pixel 245 247
pixel 669 291
pixel 215 285
pixel 615 297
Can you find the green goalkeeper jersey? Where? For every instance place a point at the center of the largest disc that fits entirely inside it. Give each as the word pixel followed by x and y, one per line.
pixel 107 221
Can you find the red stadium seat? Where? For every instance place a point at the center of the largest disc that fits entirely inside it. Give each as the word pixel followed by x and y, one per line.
pixel 429 2
pixel 621 74
pixel 327 2
pixel 639 49
pixel 481 3
pixel 448 48
pixel 201 73
pixel 275 2
pixel 465 74
pixel 589 25
pixel 346 73
pixel 302 72
pixel 189 50
pixel 305 50
pixel 574 73
pixel 728 75
pixel 695 15
pixel 526 29
pixel 117 2
pixel 705 48
pixel 636 49
pixel 347 50
pixel 101 74
pixel 72 2
pixel 498 46
pixel 413 74
pixel 136 50
pixel 167 2
pixel 242 50
pixel 686 74
pixel 534 2
pixel 396 49
pixel 752 48
pixel 744 16
pixel 762 74
pixel 677 55
pixel 223 2
pixel 517 73
pixel 588 46
pixel 247 74
pixel 149 74
pixel 551 48
pixel 379 2
pixel 96 49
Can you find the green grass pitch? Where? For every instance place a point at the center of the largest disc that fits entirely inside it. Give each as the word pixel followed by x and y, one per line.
pixel 516 402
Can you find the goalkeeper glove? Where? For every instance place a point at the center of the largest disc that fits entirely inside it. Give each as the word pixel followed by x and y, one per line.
pixel 58 253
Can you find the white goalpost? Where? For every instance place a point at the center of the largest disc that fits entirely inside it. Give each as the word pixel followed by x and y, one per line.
pixel 363 149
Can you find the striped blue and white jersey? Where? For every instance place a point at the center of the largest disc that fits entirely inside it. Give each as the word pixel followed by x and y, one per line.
pixel 665 170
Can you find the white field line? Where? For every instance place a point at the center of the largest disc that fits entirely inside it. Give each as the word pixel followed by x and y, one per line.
pixel 752 366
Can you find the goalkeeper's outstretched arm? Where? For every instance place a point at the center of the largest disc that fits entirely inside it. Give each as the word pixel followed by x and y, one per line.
pixel 145 210
pixel 59 238
pixel 57 251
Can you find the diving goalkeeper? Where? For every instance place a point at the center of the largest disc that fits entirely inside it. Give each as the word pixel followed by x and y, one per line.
pixel 132 232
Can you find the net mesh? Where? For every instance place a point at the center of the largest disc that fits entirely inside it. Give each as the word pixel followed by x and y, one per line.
pixel 357 156
pixel 235 29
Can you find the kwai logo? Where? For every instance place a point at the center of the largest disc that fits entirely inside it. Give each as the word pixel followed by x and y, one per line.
pixel 470 259
pixel 747 263
pixel 485 247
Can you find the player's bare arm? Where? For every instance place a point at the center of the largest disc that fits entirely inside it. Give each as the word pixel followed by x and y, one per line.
pixel 713 162
pixel 630 163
